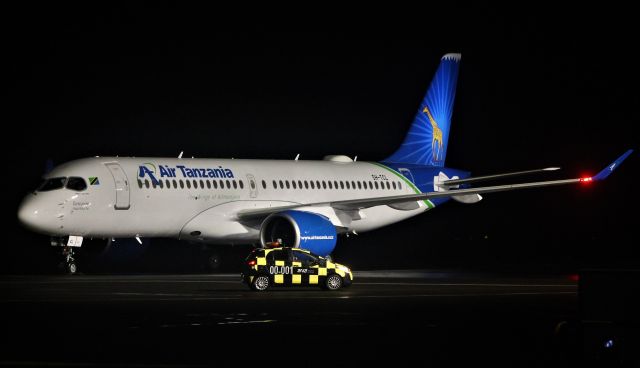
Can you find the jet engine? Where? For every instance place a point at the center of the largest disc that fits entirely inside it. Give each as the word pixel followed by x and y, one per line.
pixel 300 229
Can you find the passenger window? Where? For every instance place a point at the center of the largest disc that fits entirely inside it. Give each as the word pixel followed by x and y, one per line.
pixel 318 184
pixel 341 184
pixel 300 184
pixel 312 185
pixel 353 184
pixel 347 183
pixel 160 184
pixel 242 184
pixel 215 184
pixel 168 183
pixel 201 184
pixel 275 185
pixel 235 185
pixel 359 185
pixel 264 184
pixel 208 184
pixel 376 184
pixel 154 184
pixel 399 185
pixel 330 185
pixel 293 183
pixel 306 184
pixel 139 183
pixel 324 184
pixel 228 184
pixel 335 184
pixel 287 183
pixel 76 183
pixel 281 185
pixel 181 184
pixel 175 184
pixel 146 183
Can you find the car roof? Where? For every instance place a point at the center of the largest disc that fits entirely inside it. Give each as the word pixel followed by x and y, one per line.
pixel 283 248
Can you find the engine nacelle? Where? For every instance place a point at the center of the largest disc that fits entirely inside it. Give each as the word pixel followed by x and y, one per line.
pixel 300 229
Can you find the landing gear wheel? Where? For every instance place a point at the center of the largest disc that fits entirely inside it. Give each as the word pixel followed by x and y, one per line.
pixel 260 283
pixel 68 263
pixel 333 282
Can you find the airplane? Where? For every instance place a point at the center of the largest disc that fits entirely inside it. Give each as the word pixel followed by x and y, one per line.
pixel 297 203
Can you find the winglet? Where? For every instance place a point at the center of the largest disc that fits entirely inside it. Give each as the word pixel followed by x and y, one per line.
pixel 609 169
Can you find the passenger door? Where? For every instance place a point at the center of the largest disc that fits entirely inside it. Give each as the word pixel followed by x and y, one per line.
pixel 253 186
pixel 280 267
pixel 121 186
pixel 305 268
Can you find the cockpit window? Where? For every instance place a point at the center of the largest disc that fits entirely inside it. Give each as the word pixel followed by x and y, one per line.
pixel 76 183
pixel 52 184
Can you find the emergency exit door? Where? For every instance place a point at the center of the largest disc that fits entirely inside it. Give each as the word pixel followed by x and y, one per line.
pixel 253 186
pixel 121 186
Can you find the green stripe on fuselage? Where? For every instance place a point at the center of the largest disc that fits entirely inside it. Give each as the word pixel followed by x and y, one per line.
pixel 427 202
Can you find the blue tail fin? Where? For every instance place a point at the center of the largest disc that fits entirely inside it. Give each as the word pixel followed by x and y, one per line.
pixel 426 142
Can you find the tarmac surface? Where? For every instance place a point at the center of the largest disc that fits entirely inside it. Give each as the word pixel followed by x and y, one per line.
pixel 200 320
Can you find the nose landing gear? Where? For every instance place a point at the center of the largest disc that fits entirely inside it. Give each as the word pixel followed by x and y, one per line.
pixel 67 263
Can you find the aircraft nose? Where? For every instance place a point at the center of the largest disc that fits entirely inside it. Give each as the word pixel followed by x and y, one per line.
pixel 28 212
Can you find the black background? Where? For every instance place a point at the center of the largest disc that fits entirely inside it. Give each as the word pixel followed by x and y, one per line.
pixel 533 91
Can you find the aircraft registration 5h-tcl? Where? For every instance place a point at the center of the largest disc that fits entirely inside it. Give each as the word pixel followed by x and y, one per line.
pixel 304 203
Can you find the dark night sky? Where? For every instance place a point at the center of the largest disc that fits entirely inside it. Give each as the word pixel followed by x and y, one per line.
pixel 532 92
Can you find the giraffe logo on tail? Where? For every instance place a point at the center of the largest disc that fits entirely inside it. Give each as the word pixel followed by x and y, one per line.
pixel 436 141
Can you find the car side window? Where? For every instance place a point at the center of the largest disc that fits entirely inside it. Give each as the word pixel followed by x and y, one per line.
pixel 303 257
pixel 279 255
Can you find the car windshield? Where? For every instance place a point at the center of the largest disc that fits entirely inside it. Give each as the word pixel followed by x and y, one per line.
pixel 255 253
pixel 51 184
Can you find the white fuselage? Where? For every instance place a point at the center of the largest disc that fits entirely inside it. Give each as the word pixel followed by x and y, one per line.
pixel 199 199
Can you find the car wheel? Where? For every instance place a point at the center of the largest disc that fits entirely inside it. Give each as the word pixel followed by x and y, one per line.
pixel 333 282
pixel 260 283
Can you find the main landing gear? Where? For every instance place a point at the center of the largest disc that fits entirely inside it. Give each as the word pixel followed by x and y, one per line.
pixel 67 263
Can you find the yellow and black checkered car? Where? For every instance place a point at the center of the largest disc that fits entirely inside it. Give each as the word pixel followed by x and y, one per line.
pixel 293 267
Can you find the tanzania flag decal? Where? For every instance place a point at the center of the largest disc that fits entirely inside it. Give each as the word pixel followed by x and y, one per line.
pixel 93 180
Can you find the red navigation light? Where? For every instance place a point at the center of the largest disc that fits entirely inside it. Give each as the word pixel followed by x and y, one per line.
pixel 252 262
pixel 586 180
pixel 574 277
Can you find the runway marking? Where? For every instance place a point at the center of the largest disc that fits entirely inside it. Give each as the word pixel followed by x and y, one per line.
pixel 246 322
pixel 193 297
pixel 122 282
pixel 162 294
pixel 440 295
pixel 466 284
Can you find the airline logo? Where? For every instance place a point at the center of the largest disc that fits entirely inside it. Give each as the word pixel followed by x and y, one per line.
pixel 436 140
pixel 93 180
pixel 165 171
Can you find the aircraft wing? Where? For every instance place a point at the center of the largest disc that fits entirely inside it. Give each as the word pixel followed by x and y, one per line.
pixel 356 204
